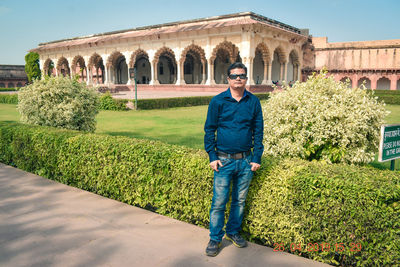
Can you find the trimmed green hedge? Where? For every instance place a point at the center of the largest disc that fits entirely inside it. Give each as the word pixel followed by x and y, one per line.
pixel 9 98
pixel 2 89
pixel 109 103
pixel 162 103
pixel 289 202
pixel 391 97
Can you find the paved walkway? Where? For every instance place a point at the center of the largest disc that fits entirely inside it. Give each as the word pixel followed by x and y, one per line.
pixel 44 223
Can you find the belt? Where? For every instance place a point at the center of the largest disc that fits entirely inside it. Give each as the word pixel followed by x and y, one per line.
pixel 239 155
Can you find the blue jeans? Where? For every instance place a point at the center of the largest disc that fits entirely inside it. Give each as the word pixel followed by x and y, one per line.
pixel 239 173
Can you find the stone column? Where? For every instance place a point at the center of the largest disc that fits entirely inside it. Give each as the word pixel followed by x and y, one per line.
pixel 285 71
pixel 354 81
pixel 374 81
pixel 127 56
pixel 110 75
pixel 210 69
pixel 154 80
pixel 393 82
pixel 88 76
pixel 106 81
pixel 265 77
pixel 71 73
pixel 282 72
pixel 249 64
pixel 179 73
pixel 299 72
pixel 128 81
pixel 203 80
pixel 269 81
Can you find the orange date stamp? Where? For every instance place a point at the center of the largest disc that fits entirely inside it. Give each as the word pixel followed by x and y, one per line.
pixel 318 247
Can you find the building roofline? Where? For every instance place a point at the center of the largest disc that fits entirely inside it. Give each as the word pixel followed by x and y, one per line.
pixel 169 24
pixel 11 65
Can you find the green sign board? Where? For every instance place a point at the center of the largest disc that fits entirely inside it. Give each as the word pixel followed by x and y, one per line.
pixel 389 145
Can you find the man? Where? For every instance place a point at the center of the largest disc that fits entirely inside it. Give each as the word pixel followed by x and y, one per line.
pixel 236 116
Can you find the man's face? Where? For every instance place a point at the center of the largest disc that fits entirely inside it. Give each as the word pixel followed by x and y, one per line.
pixel 237 82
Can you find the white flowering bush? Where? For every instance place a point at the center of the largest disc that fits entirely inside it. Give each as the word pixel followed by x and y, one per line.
pixel 323 119
pixel 59 102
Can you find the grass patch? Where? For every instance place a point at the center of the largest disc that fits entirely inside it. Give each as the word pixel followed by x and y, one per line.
pixel 180 126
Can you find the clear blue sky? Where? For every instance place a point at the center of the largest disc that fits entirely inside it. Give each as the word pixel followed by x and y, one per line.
pixel 26 23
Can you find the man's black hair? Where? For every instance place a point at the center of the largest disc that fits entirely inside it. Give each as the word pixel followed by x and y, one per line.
pixel 237 65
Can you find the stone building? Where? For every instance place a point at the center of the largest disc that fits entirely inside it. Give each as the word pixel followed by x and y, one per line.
pixel 374 63
pixel 185 55
pixel 12 76
pixel 194 55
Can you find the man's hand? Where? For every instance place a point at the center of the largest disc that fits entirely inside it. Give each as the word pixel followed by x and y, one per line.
pixel 214 165
pixel 254 166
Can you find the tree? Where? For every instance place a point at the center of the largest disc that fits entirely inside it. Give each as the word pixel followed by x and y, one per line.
pixel 322 119
pixel 32 67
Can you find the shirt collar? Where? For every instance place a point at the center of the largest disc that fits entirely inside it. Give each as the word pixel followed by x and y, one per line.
pixel 228 94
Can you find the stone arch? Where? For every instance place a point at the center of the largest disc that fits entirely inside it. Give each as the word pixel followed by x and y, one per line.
pixel 10 85
pixel 277 68
pixel 344 80
pixel 383 83
pixel 79 67
pixel 140 61
pixel 261 61
pixel 96 66
pixel 293 66
pixel 222 56
pixel 19 84
pixel 398 84
pixel 48 67
pixel 193 60
pixel 165 63
pixel 367 82
pixel 2 85
pixel 232 50
pixel 63 67
pixel 118 67
pixel 112 59
pixel 281 54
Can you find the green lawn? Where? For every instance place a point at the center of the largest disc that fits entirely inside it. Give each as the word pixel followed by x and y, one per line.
pixel 182 126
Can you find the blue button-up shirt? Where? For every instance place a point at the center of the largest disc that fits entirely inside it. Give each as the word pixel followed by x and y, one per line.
pixel 239 125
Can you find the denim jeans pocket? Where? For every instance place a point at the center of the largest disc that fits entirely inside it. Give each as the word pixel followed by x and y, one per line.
pixel 224 161
pixel 248 159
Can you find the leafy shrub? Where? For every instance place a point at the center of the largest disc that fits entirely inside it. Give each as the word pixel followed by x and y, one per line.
pixel 107 102
pixel 290 201
pixel 9 98
pixel 323 119
pixel 59 102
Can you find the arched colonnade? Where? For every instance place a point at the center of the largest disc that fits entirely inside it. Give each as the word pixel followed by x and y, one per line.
pixel 377 80
pixel 189 65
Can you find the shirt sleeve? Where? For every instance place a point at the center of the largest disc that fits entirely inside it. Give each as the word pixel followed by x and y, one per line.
pixel 210 127
pixel 258 134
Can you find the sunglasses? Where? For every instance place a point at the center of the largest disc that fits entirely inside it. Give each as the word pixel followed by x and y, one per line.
pixel 234 76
